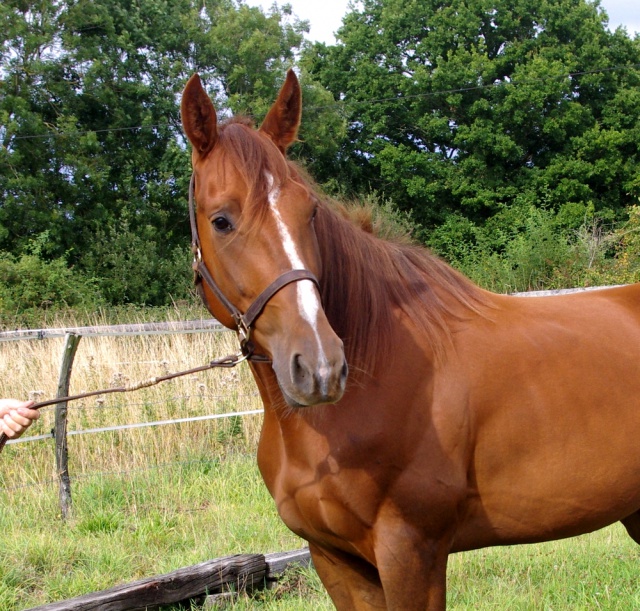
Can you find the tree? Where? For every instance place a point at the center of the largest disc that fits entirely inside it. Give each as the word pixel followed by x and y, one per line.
pixel 466 105
pixel 91 143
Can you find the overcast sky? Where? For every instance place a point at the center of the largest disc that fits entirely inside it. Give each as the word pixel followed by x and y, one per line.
pixel 325 16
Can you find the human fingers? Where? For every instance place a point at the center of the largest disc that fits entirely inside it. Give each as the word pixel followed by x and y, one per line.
pixel 30 414
pixel 15 423
pixel 9 404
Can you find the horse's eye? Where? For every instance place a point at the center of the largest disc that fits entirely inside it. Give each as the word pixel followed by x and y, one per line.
pixel 314 213
pixel 222 225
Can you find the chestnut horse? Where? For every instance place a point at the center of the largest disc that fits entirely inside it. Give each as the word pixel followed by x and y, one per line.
pixel 468 419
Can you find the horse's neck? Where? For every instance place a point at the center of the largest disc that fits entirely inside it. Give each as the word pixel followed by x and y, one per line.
pixel 275 407
pixel 302 438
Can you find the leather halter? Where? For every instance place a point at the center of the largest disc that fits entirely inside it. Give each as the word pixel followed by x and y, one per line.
pixel 244 321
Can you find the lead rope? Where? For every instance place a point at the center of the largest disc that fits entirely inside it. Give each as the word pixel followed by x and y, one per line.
pixel 228 361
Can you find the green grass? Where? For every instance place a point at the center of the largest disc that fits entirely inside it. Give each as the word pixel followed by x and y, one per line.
pixel 126 527
pixel 596 571
pixel 146 522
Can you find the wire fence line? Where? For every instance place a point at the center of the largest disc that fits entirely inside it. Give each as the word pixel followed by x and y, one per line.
pixel 346 103
pixel 154 328
pixel 139 425
pixel 72 335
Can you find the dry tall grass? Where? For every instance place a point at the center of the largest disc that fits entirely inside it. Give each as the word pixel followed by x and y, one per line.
pixel 30 368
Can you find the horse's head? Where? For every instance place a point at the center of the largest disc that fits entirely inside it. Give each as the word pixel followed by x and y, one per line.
pixel 255 220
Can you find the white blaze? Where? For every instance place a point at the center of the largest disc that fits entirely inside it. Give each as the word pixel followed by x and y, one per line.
pixel 308 300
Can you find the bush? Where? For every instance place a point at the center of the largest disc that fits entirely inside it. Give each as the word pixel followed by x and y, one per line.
pixel 624 267
pixel 526 247
pixel 135 267
pixel 29 284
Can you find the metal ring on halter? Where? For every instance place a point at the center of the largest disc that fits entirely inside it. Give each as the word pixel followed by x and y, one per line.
pixel 244 332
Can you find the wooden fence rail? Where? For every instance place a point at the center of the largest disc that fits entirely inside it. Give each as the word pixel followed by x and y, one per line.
pixel 208 581
pixel 153 328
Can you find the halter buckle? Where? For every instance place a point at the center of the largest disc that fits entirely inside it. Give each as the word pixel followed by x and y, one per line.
pixel 244 331
pixel 197 253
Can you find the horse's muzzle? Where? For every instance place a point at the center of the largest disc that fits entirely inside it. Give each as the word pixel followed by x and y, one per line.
pixel 318 383
pixel 307 378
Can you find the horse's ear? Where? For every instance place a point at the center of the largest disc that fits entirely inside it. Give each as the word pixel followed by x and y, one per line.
pixel 198 117
pixel 282 121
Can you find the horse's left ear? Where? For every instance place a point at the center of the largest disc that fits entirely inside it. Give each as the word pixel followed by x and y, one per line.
pixel 282 121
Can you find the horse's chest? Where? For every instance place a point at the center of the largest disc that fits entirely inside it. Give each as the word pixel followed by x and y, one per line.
pixel 324 502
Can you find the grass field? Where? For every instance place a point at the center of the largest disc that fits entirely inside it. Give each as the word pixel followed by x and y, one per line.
pixel 148 501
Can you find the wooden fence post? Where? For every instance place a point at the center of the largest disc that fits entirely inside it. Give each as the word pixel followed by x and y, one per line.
pixel 62 457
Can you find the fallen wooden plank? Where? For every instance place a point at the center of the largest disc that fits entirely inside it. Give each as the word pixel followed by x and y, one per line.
pixel 279 562
pixel 240 572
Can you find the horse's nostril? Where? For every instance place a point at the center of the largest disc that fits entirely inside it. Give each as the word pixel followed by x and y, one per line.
pixel 299 371
pixel 324 381
pixel 344 372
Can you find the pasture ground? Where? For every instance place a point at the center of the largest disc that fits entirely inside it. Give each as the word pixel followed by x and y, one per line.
pixel 148 501
pixel 129 526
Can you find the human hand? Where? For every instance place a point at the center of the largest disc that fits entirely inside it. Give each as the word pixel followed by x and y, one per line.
pixel 16 417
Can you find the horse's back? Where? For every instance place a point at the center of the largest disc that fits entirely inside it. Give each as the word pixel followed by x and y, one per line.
pixel 554 398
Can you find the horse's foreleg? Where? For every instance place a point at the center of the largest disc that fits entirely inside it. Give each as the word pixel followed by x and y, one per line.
pixel 352 583
pixel 632 524
pixel 413 571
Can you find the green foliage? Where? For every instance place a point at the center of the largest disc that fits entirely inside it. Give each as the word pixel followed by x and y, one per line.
pixel 524 248
pixel 122 267
pixel 510 132
pixel 29 284
pixel 513 127
pixel 136 267
pixel 231 431
pixel 469 106
pixel 518 249
pixel 624 268
pixel 91 148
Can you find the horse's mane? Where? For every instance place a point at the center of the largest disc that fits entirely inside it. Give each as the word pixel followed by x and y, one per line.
pixel 365 277
pixel 370 277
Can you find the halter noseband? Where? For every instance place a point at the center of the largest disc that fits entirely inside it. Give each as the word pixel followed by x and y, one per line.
pixel 244 321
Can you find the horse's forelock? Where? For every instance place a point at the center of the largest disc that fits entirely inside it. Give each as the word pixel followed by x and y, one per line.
pixel 258 161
